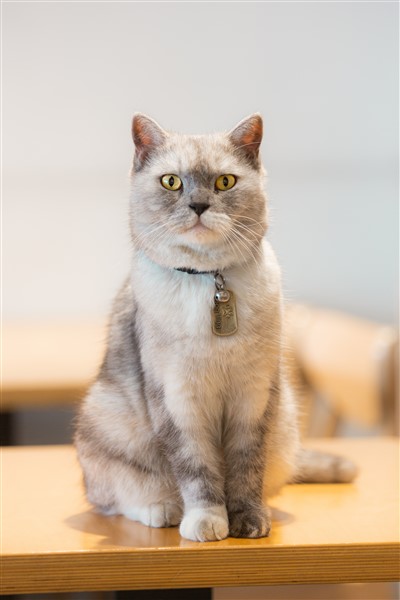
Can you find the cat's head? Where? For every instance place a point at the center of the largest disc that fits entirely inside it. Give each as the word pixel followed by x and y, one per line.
pixel 198 201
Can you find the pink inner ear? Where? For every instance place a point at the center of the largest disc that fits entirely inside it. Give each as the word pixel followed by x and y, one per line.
pixel 141 135
pixel 147 135
pixel 251 137
pixel 254 133
pixel 248 135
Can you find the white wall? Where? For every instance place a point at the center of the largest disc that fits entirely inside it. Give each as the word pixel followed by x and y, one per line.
pixel 324 75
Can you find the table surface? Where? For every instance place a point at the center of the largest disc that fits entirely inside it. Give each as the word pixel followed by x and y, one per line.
pixel 53 541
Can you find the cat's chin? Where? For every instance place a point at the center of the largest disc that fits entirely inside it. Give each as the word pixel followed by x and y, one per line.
pixel 198 247
pixel 200 234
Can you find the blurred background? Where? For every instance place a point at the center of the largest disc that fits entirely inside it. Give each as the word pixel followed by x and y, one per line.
pixel 324 76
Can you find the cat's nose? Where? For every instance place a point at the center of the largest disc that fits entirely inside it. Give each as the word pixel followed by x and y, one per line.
pixel 199 207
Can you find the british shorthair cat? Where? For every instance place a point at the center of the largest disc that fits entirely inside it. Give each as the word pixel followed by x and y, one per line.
pixel 191 420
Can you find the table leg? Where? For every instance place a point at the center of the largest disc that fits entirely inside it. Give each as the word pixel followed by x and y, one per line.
pixel 7 420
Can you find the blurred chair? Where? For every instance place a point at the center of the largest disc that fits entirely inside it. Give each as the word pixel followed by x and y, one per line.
pixel 47 365
pixel 345 371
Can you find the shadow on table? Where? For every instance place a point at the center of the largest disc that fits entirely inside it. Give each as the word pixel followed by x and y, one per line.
pixel 118 531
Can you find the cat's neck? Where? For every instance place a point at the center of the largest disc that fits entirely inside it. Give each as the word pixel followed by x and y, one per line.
pixel 173 298
pixel 145 262
pixel 165 280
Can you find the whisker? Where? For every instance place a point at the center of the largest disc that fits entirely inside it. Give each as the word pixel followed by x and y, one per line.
pixel 244 244
pixel 248 244
pixel 141 236
pixel 255 238
pixel 246 217
pixel 248 230
pixel 156 235
pixel 231 244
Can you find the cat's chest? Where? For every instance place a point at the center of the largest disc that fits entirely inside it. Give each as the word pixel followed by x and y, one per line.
pixel 178 311
pixel 188 307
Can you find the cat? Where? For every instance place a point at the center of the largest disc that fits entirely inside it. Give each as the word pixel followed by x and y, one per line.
pixel 191 420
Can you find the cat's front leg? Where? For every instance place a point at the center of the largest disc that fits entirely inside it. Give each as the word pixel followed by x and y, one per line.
pixel 245 456
pixel 191 443
pixel 248 517
pixel 197 465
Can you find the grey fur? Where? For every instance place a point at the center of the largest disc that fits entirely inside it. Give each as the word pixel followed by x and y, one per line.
pixel 178 419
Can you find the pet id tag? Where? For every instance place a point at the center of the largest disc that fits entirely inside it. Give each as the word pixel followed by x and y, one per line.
pixel 223 317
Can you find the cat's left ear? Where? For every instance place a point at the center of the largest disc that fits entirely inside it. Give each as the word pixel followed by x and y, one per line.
pixel 247 137
pixel 147 136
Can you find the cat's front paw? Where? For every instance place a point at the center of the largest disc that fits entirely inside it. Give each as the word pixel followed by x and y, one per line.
pixel 158 514
pixel 205 524
pixel 249 522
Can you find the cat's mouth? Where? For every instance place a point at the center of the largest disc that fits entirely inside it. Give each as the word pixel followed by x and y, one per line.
pixel 199 232
pixel 198 227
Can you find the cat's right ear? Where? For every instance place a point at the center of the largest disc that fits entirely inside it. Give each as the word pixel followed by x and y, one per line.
pixel 147 136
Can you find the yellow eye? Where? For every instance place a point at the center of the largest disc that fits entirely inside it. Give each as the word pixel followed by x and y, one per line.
pixel 225 182
pixel 171 182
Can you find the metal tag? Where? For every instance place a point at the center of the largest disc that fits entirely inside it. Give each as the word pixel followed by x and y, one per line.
pixel 223 316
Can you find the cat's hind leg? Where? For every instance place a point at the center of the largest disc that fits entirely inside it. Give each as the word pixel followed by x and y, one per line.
pixel 117 485
pixel 124 471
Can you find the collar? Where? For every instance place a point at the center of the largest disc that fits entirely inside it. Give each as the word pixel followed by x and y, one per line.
pixel 194 271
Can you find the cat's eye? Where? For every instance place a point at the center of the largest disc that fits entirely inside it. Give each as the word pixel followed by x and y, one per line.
pixel 225 182
pixel 171 182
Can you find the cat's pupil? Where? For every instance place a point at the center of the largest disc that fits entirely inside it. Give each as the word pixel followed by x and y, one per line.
pixel 225 181
pixel 171 181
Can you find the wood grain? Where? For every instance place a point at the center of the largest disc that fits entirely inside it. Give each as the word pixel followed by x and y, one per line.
pixel 52 540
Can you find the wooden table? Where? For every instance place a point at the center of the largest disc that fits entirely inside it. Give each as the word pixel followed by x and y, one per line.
pixel 52 541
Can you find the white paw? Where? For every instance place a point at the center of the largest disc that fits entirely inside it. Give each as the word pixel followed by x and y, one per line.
pixel 205 524
pixel 165 514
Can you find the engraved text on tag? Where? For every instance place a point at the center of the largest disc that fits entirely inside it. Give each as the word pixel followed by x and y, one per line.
pixel 224 318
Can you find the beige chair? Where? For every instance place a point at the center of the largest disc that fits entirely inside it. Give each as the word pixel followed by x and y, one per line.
pixel 344 369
